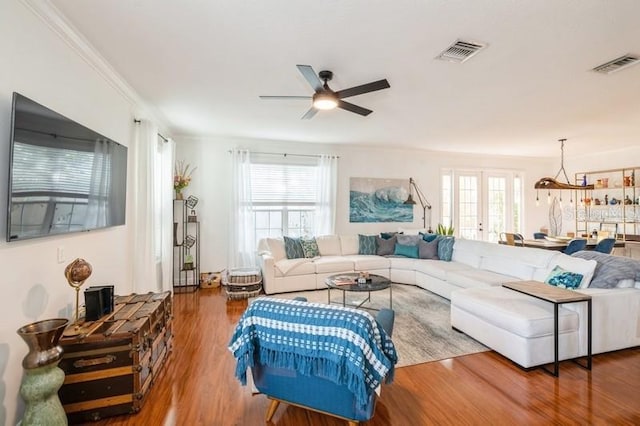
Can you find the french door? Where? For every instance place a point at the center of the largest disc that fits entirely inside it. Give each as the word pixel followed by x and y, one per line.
pixel 482 203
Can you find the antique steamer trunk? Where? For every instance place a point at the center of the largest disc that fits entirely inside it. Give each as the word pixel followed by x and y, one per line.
pixel 112 362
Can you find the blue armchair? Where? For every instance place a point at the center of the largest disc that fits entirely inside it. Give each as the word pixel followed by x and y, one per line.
pixel 575 245
pixel 605 246
pixel 320 391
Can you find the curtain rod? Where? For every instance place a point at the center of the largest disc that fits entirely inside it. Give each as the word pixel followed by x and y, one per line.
pixel 284 154
pixel 135 120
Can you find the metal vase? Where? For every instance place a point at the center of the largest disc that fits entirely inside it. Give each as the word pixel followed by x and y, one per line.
pixel 42 376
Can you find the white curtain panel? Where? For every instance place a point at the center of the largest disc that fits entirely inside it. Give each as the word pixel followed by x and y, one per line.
pixel 325 217
pixel 166 151
pixel 152 168
pixel 242 239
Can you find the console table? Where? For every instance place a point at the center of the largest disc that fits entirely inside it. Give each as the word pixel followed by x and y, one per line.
pixel 557 296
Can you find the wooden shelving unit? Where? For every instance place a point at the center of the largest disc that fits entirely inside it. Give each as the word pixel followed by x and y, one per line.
pixel 613 204
pixel 186 248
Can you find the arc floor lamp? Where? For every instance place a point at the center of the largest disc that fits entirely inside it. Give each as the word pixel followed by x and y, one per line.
pixel 423 202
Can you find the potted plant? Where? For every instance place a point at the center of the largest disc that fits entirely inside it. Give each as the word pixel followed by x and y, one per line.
pixel 444 230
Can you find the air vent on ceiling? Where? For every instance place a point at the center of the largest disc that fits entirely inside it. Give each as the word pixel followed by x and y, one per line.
pixel 617 64
pixel 460 51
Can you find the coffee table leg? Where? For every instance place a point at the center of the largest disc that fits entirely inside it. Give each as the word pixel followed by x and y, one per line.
pixel 390 297
pixel 328 295
pixel 344 303
pixel 589 334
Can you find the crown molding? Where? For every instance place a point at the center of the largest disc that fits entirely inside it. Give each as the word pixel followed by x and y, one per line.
pixel 64 29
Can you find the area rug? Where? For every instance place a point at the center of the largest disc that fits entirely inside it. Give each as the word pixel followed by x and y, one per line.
pixel 422 330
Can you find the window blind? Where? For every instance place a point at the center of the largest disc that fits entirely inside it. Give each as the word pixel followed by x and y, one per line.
pixel 283 183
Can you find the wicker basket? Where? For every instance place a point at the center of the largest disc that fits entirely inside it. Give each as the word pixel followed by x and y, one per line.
pixel 242 283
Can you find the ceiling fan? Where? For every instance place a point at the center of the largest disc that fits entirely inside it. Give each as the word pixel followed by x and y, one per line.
pixel 324 98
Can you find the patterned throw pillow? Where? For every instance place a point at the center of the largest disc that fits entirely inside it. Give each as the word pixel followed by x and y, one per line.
pixel 562 278
pixel 367 244
pixel 386 247
pixel 309 247
pixel 428 250
pixel 406 251
pixel 293 248
pixel 445 248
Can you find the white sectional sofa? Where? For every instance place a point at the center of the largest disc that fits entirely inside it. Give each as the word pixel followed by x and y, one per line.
pixel 515 325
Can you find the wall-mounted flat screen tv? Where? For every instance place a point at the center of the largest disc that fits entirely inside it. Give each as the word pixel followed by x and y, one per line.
pixel 63 177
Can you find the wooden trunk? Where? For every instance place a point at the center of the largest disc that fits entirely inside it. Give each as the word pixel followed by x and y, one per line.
pixel 112 362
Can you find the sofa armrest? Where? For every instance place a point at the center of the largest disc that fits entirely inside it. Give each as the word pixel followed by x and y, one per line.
pixel 267 267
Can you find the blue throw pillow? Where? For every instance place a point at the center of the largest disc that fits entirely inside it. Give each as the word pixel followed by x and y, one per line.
pixel 407 251
pixel 445 248
pixel 367 244
pixel 428 237
pixel 564 279
pixel 293 248
pixel 387 235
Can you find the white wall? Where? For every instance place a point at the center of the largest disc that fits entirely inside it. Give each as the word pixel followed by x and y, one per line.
pixel 39 65
pixel 211 182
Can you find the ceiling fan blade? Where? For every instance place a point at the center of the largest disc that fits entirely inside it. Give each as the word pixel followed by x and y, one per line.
pixel 285 97
pixel 354 108
pixel 311 76
pixel 365 88
pixel 309 114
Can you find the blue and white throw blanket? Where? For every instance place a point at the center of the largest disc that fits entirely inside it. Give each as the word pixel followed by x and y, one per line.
pixel 344 345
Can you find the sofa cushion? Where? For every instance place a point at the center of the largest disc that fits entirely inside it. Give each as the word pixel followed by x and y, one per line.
pixel 428 250
pixel 564 279
pixel 367 244
pixel 326 264
pixel 468 251
pixel 276 248
pixel 515 312
pixel 386 247
pixel 293 248
pixel 368 263
pixel 294 267
pixel 404 263
pixel 329 245
pixel 349 244
pixel 477 278
pixel 438 269
pixel 309 247
pixel 507 266
pixel 406 251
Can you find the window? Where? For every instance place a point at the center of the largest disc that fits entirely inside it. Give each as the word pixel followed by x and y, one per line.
pixel 284 196
pixel 482 203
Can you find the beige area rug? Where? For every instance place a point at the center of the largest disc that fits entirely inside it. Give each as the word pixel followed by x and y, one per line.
pixel 422 331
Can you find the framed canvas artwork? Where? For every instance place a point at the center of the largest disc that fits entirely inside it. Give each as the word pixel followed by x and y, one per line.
pixel 379 200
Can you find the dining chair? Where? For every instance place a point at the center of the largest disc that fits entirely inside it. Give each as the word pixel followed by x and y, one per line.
pixel 539 235
pixel 512 239
pixel 575 245
pixel 605 245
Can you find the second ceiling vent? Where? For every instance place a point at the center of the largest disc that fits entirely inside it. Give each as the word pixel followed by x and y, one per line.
pixel 617 64
pixel 460 51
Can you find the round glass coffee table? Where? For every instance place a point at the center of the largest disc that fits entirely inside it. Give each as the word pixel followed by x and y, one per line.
pixel 348 283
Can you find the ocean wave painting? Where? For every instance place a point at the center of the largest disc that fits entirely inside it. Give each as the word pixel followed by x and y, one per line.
pixel 379 200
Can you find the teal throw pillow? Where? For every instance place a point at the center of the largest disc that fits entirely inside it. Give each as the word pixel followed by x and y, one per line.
pixel 562 278
pixel 387 235
pixel 428 237
pixel 293 248
pixel 309 247
pixel 445 248
pixel 407 251
pixel 367 244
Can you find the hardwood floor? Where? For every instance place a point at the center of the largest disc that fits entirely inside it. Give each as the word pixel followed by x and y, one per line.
pixel 198 386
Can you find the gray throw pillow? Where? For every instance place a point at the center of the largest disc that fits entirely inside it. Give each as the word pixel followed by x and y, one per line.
pixel 409 240
pixel 386 247
pixel 428 250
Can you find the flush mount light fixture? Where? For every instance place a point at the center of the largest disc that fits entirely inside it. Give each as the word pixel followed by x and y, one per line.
pixel 325 100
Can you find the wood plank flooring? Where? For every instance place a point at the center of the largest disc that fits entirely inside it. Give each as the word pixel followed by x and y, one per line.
pixel 198 386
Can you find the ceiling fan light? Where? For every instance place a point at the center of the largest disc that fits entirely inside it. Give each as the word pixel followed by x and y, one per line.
pixel 324 101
